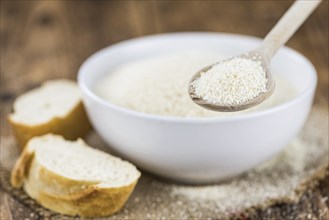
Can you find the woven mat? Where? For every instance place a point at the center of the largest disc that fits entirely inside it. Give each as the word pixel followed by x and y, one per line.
pixel 282 179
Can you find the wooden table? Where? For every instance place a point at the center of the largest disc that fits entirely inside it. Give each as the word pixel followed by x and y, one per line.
pixel 41 40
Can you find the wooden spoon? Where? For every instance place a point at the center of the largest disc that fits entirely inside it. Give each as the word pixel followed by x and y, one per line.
pixel 277 37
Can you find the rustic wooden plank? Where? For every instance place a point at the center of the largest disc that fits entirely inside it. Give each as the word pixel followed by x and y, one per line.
pixel 48 39
pixel 5 213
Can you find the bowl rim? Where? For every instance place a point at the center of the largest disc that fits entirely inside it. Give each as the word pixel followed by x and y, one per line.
pixel 293 53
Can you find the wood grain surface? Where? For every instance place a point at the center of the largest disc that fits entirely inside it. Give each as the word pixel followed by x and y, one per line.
pixel 41 40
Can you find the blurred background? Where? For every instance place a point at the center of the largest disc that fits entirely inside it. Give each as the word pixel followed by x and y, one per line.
pixel 41 40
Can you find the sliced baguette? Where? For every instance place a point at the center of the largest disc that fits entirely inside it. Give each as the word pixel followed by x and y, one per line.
pixel 72 178
pixel 55 107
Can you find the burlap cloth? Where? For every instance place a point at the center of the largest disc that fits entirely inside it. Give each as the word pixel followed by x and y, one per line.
pixel 281 179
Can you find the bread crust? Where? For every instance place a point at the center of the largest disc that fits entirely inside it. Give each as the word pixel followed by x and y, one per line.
pixel 71 127
pixel 64 195
pixel 90 202
pixel 21 167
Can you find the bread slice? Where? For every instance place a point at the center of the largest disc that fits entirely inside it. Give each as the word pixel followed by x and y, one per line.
pixel 55 107
pixel 72 178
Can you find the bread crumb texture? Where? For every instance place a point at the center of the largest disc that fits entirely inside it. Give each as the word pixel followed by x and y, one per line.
pixel 159 85
pixel 231 82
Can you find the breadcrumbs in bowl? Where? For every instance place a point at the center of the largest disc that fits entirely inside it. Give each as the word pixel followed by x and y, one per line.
pixel 168 134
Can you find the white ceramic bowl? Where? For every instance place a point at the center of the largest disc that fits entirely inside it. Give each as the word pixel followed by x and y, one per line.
pixel 196 150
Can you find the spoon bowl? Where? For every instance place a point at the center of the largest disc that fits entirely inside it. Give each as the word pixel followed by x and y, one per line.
pixel 270 85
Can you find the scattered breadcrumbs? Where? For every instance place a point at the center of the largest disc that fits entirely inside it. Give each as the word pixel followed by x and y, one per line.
pixel 278 180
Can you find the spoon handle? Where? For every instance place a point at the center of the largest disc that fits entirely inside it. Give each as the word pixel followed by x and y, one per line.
pixel 287 26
